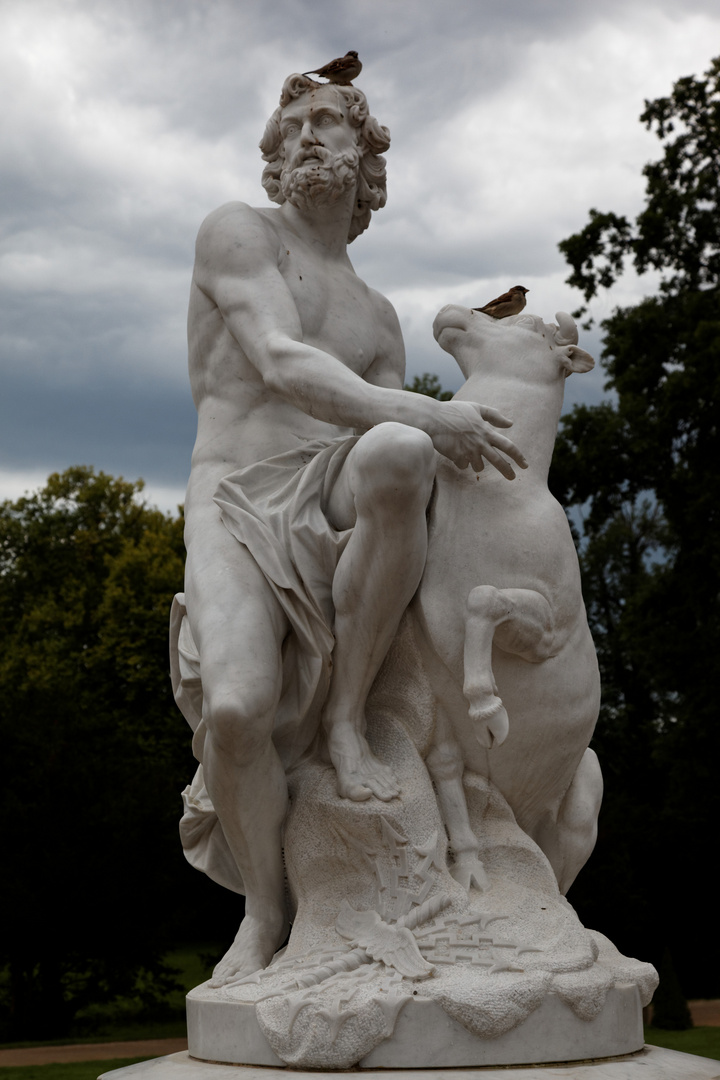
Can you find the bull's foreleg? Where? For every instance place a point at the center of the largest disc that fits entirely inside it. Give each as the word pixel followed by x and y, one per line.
pixel 446 767
pixel 519 621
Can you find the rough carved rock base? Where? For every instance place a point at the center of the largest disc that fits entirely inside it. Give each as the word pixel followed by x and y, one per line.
pixel 392 964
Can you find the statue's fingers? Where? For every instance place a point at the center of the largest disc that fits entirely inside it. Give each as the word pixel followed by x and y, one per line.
pixel 500 464
pixel 508 447
pixel 494 416
pixel 477 461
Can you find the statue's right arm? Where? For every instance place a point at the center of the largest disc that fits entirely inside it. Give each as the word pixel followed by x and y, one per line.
pixel 236 266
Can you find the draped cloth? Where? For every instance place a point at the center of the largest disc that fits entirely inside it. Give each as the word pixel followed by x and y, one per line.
pixel 276 508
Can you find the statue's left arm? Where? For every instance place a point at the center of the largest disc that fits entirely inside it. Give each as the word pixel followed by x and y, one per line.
pixel 388 366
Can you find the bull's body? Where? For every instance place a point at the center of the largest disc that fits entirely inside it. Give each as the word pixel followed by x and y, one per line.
pixel 500 614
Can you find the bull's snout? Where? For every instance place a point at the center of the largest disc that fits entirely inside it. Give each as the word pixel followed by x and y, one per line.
pixel 451 317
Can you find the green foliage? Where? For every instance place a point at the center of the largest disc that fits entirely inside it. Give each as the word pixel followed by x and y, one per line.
pixel 670 1009
pixel 430 386
pixel 703 1041
pixel 678 232
pixel 643 474
pixel 128 1016
pixel 96 751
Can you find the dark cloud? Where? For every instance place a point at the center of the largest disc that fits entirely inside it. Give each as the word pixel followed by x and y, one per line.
pixel 131 426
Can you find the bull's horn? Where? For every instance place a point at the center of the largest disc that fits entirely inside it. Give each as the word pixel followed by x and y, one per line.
pixel 567 333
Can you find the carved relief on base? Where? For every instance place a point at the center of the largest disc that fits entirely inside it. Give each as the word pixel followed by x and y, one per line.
pixel 381 925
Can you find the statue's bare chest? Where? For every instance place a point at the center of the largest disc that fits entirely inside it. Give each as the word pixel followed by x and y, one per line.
pixel 335 307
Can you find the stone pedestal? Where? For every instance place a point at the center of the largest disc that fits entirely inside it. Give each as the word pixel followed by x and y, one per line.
pixel 650 1063
pixel 424 1036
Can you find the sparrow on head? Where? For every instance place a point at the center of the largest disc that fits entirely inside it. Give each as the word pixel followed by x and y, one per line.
pixel 510 303
pixel 340 71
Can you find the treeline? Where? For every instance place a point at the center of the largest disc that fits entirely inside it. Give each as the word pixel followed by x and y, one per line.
pixel 643 472
pixel 95 754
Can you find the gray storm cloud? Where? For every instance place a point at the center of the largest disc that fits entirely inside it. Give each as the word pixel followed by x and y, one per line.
pixel 131 121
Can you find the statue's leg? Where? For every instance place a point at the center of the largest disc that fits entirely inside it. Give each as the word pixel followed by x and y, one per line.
pixel 519 621
pixel 446 767
pixel 383 491
pixel 568 837
pixel 238 627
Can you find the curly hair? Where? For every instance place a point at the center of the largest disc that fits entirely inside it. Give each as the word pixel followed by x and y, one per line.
pixel 372 140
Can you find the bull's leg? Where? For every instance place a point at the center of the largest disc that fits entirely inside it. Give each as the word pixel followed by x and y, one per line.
pixel 568 838
pixel 446 768
pixel 519 621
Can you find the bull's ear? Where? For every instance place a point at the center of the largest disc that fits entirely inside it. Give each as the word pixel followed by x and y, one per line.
pixel 574 359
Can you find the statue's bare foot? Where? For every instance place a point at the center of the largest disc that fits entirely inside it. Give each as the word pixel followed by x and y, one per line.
pixel 252 950
pixel 359 773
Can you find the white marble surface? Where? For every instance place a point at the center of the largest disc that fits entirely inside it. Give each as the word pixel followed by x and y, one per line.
pixel 425 1037
pixel 500 606
pixel 499 957
pixel 289 349
pixel 651 1063
pixel 382 651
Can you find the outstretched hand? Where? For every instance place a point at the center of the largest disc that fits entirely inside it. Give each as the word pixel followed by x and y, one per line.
pixel 466 434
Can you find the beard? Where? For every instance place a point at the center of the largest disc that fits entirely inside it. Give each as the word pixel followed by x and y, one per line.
pixel 318 177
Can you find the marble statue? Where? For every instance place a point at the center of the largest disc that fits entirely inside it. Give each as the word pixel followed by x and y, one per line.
pixel 499 610
pixel 383 653
pixel 290 353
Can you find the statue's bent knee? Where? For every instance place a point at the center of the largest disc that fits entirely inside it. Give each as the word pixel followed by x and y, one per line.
pixel 397 460
pixel 240 725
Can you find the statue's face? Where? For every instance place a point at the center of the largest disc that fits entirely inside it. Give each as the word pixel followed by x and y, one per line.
pixel 320 148
pixel 316 119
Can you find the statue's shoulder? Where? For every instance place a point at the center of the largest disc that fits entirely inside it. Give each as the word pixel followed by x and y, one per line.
pixel 385 313
pixel 382 305
pixel 233 222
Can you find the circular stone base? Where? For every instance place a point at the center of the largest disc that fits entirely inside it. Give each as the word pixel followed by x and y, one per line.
pixel 426 1037
pixel 652 1063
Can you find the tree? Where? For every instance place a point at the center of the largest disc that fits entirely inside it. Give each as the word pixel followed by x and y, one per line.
pixel 430 386
pixel 95 750
pixel 644 470
pixel 670 1009
pixel 678 232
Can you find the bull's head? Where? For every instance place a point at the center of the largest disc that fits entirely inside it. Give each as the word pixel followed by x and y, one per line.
pixel 517 342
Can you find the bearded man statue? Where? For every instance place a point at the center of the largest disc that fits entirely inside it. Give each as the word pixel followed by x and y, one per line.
pixel 306 507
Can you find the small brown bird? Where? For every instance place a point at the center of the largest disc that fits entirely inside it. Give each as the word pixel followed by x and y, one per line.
pixel 510 303
pixel 341 71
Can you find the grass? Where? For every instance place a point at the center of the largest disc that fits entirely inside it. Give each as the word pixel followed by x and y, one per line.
pixel 72 1070
pixel 110 1032
pixel 123 1019
pixel 703 1041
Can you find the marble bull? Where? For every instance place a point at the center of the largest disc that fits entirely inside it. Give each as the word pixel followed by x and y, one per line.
pixel 499 615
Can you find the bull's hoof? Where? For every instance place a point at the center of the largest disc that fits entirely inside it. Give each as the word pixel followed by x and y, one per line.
pixel 489 721
pixel 469 872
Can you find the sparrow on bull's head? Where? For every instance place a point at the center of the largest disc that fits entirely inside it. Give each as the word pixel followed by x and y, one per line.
pixel 509 303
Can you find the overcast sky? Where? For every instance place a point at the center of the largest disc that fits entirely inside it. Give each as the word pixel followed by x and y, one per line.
pixel 125 123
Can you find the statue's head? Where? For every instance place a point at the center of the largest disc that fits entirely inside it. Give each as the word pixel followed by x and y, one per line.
pixel 349 158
